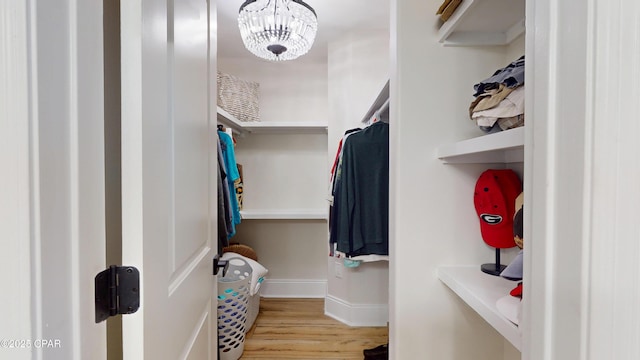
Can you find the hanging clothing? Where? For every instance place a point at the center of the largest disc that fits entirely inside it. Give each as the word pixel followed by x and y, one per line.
pixel 239 185
pixel 360 216
pixel 333 185
pixel 225 221
pixel 231 166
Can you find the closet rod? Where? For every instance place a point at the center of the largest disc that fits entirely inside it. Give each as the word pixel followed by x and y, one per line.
pixel 377 114
pixel 384 106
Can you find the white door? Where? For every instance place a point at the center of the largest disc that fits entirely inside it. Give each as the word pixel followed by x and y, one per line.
pixel 168 186
pixel 52 179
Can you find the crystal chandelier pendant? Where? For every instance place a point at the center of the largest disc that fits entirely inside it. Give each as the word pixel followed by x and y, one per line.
pixel 277 30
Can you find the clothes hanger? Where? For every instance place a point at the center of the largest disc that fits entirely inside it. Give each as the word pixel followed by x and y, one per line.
pixel 377 114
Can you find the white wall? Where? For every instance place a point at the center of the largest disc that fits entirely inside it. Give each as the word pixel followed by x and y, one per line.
pixel 515 49
pixel 358 70
pixel 433 218
pixel 277 240
pixel 283 171
pixel 289 91
pixel 286 171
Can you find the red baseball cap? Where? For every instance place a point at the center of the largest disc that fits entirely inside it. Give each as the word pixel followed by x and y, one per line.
pixel 494 199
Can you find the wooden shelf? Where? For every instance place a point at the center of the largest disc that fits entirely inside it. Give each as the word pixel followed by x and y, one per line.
pixel 481 292
pixel 285 214
pixel 502 147
pixel 484 22
pixel 273 127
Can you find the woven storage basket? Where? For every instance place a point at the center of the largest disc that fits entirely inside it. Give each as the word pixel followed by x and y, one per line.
pixel 241 249
pixel 238 97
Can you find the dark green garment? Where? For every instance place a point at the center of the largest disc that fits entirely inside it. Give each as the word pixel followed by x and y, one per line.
pixel 362 219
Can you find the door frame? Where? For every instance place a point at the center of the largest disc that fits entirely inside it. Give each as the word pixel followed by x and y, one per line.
pixel 53 61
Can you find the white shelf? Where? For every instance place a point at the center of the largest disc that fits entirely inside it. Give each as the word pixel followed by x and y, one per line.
pixel 286 214
pixel 502 147
pixel 484 22
pixel 383 96
pixel 481 292
pixel 243 128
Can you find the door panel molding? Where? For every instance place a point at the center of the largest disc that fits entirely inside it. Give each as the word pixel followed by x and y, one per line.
pixel 181 274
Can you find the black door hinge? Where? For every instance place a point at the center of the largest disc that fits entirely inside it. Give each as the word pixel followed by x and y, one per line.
pixel 117 291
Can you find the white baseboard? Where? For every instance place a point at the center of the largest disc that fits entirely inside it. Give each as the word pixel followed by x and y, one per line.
pixel 291 288
pixel 356 314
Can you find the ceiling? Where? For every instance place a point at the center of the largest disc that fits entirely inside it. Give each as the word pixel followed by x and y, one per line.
pixel 334 18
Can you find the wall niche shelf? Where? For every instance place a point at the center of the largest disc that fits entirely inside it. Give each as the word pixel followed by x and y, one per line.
pixel 484 22
pixel 272 127
pixel 502 147
pixel 285 214
pixel 481 292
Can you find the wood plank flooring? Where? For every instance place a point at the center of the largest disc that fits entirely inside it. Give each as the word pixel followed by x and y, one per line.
pixel 298 329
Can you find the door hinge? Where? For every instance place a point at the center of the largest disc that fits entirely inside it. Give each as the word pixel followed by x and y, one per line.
pixel 117 291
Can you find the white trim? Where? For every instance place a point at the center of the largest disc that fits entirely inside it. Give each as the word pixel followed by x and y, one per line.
pixel 201 325
pixel 467 17
pixel 17 228
pixel 356 314
pixel 515 31
pixel 284 214
pixel 188 267
pixel 293 288
pixel 502 147
pixel 481 292
pixel 132 204
pixel 74 175
pixel 610 244
pixel 271 127
pixel 34 164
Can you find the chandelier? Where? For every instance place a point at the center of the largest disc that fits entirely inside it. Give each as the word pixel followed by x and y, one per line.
pixel 277 29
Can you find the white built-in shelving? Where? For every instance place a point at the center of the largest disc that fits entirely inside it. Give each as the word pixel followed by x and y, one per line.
pixel 501 147
pixel 481 292
pixel 284 214
pixel 261 127
pixel 484 22
pixel 242 128
pixel 380 102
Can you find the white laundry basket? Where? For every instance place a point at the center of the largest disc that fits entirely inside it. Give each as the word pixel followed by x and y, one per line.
pixel 233 300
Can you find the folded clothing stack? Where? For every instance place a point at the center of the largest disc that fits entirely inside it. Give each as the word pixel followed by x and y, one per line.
pixel 447 8
pixel 499 99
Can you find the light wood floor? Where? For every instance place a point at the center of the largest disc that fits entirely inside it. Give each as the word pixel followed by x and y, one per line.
pixel 298 329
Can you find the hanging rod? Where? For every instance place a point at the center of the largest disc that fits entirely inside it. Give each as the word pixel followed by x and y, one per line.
pixel 380 104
